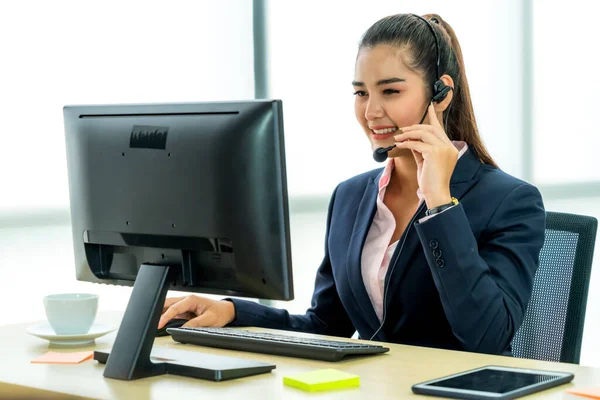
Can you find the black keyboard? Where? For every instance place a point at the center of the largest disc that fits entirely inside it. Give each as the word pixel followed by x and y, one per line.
pixel 269 343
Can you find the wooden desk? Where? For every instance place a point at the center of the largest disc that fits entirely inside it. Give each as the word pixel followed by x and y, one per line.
pixel 388 376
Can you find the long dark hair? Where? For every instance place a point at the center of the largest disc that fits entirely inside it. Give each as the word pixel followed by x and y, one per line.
pixel 410 32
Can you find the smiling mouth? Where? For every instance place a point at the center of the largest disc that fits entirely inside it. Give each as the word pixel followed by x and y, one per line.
pixel 384 131
pixel 383 134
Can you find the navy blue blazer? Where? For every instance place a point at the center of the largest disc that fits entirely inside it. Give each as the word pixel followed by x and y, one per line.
pixel 460 280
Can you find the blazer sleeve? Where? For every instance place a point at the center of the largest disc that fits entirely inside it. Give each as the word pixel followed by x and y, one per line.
pixel 485 287
pixel 326 315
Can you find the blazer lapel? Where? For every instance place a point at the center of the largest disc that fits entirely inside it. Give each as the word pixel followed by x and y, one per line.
pixel 399 263
pixel 462 180
pixel 362 223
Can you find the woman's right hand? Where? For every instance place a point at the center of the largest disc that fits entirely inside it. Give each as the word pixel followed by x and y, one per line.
pixel 200 311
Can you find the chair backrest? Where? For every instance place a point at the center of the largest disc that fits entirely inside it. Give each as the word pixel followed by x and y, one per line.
pixel 553 325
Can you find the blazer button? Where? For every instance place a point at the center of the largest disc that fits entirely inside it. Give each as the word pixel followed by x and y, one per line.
pixel 440 262
pixel 437 253
pixel 433 244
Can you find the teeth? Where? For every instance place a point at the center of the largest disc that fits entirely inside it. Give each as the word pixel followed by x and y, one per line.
pixel 384 131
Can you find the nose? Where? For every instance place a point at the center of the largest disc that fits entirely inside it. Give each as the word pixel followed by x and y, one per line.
pixel 373 110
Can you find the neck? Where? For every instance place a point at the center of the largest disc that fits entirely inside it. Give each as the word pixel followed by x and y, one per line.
pixel 404 176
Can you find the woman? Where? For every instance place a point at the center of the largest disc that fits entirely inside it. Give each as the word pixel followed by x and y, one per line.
pixel 437 249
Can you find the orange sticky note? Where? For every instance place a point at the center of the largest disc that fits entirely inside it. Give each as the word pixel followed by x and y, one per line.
pixel 52 357
pixel 591 393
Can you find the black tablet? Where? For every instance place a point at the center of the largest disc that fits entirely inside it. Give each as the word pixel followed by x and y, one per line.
pixel 492 382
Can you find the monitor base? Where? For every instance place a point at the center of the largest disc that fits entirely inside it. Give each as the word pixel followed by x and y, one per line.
pixel 132 351
pixel 198 365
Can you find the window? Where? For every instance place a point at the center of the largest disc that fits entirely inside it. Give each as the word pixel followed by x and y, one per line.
pixel 566 135
pixel 69 52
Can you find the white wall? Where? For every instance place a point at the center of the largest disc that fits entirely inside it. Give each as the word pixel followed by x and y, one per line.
pixel 566 129
pixel 79 52
pixel 38 261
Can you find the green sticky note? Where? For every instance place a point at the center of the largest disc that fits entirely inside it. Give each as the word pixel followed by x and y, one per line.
pixel 322 379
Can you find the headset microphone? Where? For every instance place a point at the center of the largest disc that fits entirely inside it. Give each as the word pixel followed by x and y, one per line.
pixel 380 154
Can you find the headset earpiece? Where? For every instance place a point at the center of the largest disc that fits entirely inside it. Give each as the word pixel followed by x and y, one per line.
pixel 440 91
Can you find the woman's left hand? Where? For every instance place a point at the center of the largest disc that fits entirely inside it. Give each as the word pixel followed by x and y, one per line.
pixel 435 155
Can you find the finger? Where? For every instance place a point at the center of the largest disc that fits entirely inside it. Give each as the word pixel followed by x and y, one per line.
pixel 421 147
pixel 425 134
pixel 435 123
pixel 432 117
pixel 418 156
pixel 170 301
pixel 435 130
pixel 181 307
pixel 408 128
pixel 207 319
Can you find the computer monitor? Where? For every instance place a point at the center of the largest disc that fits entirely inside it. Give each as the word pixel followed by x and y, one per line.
pixel 181 196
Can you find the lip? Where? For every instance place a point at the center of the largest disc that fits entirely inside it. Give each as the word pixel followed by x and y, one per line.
pixel 379 127
pixel 382 137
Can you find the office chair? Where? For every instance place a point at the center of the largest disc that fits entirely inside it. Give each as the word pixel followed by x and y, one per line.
pixel 552 329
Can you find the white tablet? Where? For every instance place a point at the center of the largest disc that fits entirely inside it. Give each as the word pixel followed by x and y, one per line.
pixel 492 382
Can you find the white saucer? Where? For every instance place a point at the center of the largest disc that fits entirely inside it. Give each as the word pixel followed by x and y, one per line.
pixel 45 331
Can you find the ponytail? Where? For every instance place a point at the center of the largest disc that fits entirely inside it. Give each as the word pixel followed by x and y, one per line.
pixel 460 115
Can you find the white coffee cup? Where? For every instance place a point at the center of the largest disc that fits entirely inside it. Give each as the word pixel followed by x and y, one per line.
pixel 71 313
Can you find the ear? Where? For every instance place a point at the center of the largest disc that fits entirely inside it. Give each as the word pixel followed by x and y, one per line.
pixel 443 105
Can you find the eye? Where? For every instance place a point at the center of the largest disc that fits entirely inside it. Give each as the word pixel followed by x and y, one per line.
pixel 390 91
pixel 360 93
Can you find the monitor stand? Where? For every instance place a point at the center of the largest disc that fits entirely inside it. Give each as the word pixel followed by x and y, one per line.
pixel 132 355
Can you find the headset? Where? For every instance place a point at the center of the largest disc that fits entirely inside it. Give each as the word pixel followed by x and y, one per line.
pixel 440 91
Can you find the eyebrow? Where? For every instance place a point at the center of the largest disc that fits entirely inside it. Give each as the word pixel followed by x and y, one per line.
pixel 381 82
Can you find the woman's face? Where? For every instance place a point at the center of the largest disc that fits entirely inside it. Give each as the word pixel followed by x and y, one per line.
pixel 388 95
